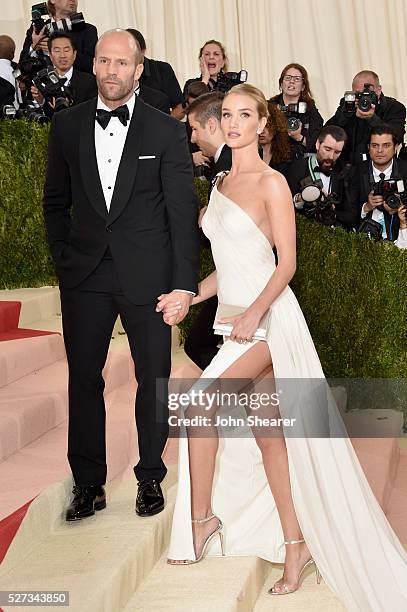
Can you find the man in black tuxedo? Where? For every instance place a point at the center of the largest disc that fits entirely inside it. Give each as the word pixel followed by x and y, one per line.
pixel 204 116
pixel 81 85
pixel 85 37
pixel 326 170
pixel 382 165
pixel 121 217
pixel 7 80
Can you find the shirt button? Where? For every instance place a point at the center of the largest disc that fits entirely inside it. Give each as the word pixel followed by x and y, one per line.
pixel 108 228
pixel 111 133
pixel 109 187
pixel 110 161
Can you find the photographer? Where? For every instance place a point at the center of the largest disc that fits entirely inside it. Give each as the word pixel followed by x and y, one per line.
pixel 377 184
pixel 212 62
pixel 363 109
pixel 7 81
pixel 81 85
pixel 85 35
pixel 158 76
pixel 320 183
pixel 295 89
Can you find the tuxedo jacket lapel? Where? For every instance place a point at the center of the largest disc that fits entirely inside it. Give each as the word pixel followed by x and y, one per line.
pixel 129 162
pixel 88 162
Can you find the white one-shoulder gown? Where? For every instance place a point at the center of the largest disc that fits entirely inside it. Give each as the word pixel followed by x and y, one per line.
pixel 348 535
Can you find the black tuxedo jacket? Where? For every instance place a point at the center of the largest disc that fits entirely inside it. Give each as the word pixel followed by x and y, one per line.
pixel 7 92
pixel 347 210
pixel 85 40
pixel 151 228
pixel 361 187
pixel 155 98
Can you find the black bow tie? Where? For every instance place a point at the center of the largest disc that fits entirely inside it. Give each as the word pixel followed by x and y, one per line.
pixel 103 116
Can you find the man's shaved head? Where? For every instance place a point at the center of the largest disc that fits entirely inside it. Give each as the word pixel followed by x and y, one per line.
pixel 7 47
pixel 119 35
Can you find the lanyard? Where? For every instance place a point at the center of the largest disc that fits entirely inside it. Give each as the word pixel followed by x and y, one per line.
pixel 315 173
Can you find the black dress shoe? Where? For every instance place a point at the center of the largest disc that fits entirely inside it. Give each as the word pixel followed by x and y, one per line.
pixel 150 498
pixel 86 500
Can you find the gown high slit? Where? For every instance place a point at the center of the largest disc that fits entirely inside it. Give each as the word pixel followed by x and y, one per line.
pixel 347 533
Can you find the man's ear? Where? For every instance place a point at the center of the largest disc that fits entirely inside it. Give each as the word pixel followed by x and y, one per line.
pixel 74 55
pixel 94 66
pixel 139 71
pixel 212 125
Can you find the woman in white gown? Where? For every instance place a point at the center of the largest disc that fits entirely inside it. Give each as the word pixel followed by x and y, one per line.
pixel 300 500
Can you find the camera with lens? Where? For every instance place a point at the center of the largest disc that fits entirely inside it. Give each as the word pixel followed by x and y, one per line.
pixel 29 112
pixel 293 113
pixel 392 192
pixel 227 80
pixel 75 21
pixel 366 99
pixel 314 203
pixel 51 85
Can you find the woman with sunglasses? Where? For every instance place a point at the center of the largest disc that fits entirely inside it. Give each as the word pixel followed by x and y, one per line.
pixel 295 88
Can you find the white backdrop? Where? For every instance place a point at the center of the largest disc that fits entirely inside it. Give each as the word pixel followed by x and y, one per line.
pixel 333 39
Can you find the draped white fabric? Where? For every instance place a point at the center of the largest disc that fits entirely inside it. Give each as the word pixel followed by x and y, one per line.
pixel 333 40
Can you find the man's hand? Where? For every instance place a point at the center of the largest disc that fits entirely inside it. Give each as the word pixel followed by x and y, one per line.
pixel 174 305
pixel 37 95
pixel 296 134
pixel 200 159
pixel 373 201
pixel 365 114
pixel 402 213
pixel 40 41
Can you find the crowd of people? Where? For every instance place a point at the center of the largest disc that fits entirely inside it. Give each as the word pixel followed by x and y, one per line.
pixel 349 173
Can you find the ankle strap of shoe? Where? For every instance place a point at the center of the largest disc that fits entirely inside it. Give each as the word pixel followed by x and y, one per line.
pixel 294 541
pixel 203 520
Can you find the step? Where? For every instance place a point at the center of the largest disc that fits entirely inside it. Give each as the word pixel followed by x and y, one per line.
pixel 36 303
pixel 28 471
pixel 105 557
pixel 231 584
pixel 378 455
pixel 397 506
pixel 9 315
pixel 36 403
pixel 311 597
pixel 21 357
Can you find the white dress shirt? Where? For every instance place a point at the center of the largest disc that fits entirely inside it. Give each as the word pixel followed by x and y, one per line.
pixel 6 73
pixel 67 76
pixel 109 145
pixel 218 153
pixel 377 215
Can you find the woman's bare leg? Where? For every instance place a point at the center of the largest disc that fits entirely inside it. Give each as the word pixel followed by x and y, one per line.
pixel 202 455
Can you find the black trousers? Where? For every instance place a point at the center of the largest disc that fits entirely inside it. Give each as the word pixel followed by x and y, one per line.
pixel 201 344
pixel 89 312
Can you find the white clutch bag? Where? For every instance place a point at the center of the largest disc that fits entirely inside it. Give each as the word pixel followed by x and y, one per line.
pixel 225 311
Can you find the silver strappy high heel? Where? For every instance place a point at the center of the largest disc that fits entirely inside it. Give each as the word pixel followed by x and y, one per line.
pixel 285 590
pixel 218 531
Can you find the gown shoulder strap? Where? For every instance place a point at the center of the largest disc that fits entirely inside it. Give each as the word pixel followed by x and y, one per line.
pixel 219 177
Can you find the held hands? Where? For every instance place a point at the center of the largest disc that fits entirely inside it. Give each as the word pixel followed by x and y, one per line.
pixel 244 325
pixel 174 306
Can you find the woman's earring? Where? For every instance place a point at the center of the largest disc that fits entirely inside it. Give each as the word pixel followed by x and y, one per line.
pixel 259 131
